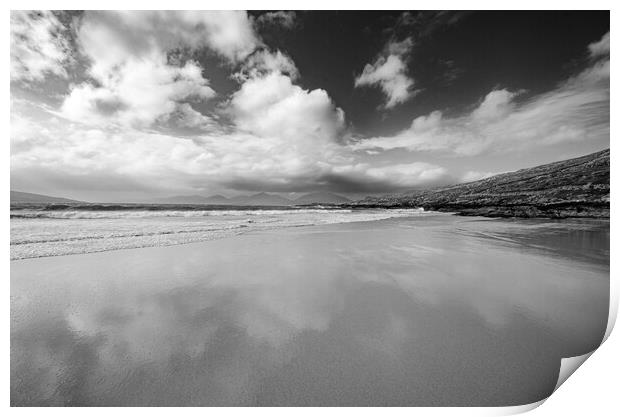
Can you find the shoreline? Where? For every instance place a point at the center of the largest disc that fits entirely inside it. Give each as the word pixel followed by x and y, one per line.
pixel 225 234
pixel 521 211
pixel 306 227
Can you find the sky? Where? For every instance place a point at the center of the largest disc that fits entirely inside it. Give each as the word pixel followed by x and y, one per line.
pixel 125 106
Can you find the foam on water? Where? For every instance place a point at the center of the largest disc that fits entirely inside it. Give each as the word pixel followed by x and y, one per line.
pixel 39 233
pixel 122 214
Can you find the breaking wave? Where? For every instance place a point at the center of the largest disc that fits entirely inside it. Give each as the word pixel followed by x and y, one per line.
pixel 123 214
pixel 39 233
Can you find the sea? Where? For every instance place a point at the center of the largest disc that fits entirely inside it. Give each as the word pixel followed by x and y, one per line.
pixel 53 230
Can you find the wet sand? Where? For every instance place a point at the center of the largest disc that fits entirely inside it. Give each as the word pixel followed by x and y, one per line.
pixel 425 311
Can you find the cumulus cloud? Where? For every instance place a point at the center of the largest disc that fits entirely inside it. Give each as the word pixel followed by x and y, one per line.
pixel 283 138
pixel 228 33
pixel 286 136
pixel 578 110
pixel 270 134
pixel 64 154
pixel 272 106
pixel 389 72
pixel 145 161
pixel 38 46
pixel 137 93
pixel 135 79
pixel 279 135
pixel 285 19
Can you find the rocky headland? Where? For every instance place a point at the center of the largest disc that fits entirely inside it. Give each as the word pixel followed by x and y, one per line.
pixel 576 187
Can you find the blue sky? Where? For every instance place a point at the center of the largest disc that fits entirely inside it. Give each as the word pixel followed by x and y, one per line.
pixel 126 106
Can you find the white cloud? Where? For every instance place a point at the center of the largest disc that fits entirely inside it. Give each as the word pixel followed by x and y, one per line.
pixel 272 106
pixel 470 176
pixel 285 19
pixel 137 93
pixel 399 48
pixel 407 175
pixel 278 136
pixel 601 47
pixel 366 177
pixel 496 105
pixel 389 72
pixel 283 137
pixel 188 117
pixel 576 111
pixel 263 62
pixel 286 138
pixel 66 154
pixel 137 83
pixel 228 33
pixel 38 46
pixel 281 134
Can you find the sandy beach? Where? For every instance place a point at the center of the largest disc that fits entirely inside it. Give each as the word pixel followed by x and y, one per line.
pixel 405 311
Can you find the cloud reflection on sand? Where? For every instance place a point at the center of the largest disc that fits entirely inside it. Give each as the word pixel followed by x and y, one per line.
pixel 398 312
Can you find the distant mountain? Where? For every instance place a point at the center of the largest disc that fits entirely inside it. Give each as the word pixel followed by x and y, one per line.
pixel 193 199
pixel 179 199
pixel 576 187
pixel 239 200
pixel 217 200
pixel 321 198
pixel 262 199
pixel 18 197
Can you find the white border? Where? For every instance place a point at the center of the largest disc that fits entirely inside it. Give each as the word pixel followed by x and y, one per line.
pixel 311 5
pixel 592 391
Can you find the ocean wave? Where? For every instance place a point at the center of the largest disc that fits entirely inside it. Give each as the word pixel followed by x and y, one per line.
pixel 125 235
pixel 129 214
pixel 65 232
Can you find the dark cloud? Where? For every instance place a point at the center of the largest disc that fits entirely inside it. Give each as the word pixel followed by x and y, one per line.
pixel 347 183
pixel 361 184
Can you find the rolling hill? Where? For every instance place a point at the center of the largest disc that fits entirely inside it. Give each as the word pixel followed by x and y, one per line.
pixel 192 199
pixel 577 187
pixel 18 197
pixel 262 199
